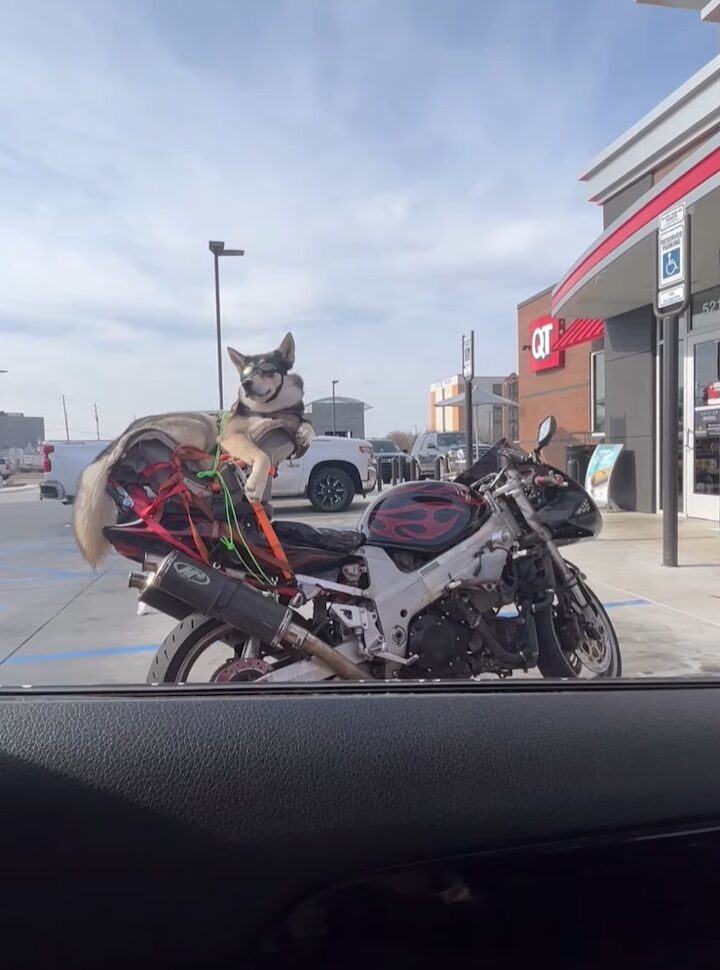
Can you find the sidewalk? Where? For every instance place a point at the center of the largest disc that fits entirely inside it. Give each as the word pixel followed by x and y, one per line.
pixel 671 621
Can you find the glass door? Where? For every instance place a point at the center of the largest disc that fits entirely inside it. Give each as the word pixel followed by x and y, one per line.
pixel 702 426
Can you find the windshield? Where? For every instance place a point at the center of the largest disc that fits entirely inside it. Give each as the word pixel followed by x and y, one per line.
pixel 277 275
pixel 451 440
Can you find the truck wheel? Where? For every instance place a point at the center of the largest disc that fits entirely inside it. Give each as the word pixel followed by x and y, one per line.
pixel 331 490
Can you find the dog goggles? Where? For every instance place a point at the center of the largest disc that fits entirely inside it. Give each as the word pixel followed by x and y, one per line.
pixel 264 367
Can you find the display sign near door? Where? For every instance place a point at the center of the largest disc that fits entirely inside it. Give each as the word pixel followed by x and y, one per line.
pixel 599 474
pixel 672 256
pixel 544 333
pixel 707 421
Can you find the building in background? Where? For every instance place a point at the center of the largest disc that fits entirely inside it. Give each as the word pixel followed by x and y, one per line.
pixel 349 416
pixel 494 406
pixel 20 433
pixel 670 158
pixel 559 376
pixel 449 418
pixel 509 417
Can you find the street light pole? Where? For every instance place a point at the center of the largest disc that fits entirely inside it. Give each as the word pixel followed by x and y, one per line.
pixel 217 248
pixel 333 408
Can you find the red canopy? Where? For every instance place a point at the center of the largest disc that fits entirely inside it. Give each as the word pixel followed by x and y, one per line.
pixel 579 332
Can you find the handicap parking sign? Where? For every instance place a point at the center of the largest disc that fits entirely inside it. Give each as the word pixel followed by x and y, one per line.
pixel 671 264
pixel 672 251
pixel 671 255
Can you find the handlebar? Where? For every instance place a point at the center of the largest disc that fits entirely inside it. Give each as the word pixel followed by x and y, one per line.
pixel 557 480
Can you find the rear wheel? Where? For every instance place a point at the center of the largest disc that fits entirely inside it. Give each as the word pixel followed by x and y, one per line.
pixel 331 490
pixel 578 646
pixel 203 650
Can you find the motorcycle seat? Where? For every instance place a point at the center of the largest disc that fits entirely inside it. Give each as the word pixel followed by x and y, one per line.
pixel 343 541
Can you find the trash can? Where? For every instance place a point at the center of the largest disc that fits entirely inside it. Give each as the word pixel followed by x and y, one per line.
pixel 577 459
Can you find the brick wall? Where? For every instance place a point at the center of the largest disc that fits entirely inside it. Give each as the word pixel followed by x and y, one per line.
pixel 562 391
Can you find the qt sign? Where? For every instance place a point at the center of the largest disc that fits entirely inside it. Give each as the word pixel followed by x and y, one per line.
pixel 544 334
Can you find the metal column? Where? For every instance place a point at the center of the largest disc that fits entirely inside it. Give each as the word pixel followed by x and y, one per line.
pixel 669 444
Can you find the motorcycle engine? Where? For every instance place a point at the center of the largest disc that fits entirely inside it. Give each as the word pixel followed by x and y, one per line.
pixel 440 637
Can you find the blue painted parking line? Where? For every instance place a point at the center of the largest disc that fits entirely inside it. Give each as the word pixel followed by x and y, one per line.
pixel 31 658
pixel 611 605
pixel 617 604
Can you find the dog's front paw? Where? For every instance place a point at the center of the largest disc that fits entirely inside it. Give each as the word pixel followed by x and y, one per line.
pixel 252 492
pixel 305 434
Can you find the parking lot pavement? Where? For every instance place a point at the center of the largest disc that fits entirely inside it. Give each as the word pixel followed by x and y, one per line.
pixel 62 623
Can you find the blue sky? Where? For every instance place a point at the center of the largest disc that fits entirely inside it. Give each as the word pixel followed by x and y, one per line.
pixel 398 172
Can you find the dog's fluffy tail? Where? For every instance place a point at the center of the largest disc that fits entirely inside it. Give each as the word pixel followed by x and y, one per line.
pixel 93 510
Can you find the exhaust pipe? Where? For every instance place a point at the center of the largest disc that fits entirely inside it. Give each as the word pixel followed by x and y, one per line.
pixel 180 582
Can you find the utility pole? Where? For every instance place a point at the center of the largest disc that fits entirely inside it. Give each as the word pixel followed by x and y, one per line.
pixel 334 424
pixel 217 248
pixel 97 423
pixel 67 430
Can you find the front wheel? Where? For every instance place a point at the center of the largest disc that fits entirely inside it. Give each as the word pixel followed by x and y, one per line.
pixel 331 490
pixel 577 645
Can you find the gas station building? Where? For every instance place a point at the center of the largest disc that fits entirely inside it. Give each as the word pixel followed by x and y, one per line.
pixel 603 306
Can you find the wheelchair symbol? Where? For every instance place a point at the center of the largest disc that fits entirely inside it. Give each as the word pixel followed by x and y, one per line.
pixel 671 263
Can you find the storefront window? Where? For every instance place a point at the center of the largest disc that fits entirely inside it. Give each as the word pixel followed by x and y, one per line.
pixel 597 392
pixel 706 394
pixel 705 309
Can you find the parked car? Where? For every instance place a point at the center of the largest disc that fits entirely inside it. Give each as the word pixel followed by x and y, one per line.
pixel 6 469
pixel 330 474
pixel 386 451
pixel 63 461
pixel 431 444
pixel 456 463
pixel 448 444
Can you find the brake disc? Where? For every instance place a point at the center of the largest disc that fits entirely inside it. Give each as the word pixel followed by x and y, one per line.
pixel 240 671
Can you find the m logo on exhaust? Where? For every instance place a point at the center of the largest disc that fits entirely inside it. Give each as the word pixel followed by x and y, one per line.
pixel 192 574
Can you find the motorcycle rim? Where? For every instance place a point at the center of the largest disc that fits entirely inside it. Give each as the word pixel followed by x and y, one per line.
pixel 595 654
pixel 200 650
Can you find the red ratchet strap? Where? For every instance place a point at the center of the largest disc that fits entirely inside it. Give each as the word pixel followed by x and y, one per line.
pixel 273 541
pixel 146 511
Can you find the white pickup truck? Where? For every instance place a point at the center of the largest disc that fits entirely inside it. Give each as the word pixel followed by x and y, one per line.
pixel 330 474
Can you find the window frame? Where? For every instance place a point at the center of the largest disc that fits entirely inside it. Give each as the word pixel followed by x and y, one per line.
pixel 593 429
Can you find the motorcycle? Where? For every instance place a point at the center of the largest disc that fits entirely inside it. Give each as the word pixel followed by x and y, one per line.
pixel 441 580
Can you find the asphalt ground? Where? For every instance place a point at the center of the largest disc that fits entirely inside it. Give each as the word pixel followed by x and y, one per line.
pixel 62 623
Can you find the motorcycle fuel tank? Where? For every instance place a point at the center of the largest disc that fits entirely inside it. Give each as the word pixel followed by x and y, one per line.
pixel 423 516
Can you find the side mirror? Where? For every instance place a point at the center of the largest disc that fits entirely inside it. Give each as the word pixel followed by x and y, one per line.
pixel 546 432
pixel 431 447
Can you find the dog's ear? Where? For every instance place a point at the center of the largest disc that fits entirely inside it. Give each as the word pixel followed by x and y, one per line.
pixel 238 359
pixel 287 349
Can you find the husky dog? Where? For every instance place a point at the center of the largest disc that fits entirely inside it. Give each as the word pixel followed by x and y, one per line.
pixel 263 427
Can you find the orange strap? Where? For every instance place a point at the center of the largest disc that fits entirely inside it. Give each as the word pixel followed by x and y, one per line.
pixel 273 541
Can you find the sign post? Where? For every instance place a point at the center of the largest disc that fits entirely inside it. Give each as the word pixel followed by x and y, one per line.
pixel 468 360
pixel 671 299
